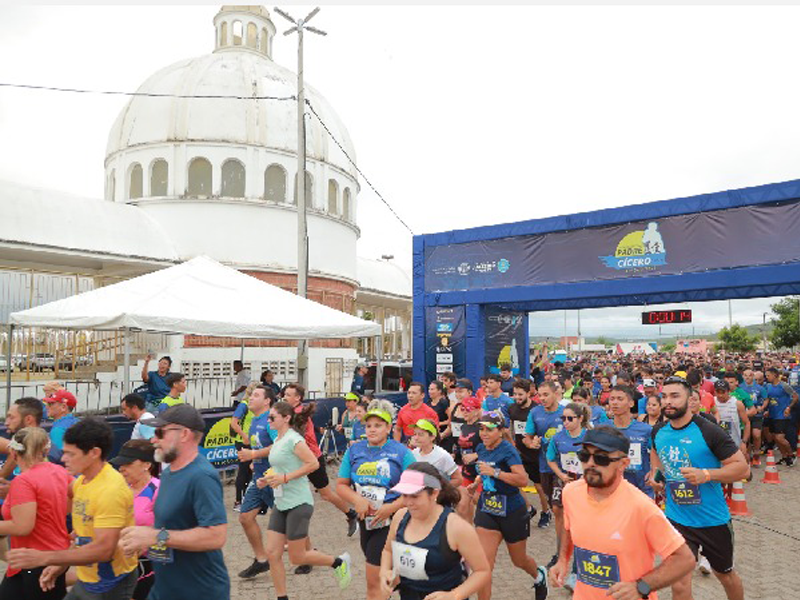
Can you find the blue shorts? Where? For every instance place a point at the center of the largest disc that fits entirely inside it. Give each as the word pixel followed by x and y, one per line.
pixel 256 499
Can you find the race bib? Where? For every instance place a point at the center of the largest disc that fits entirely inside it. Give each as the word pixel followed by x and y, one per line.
pixel 726 425
pixel 683 492
pixel 571 464
pixel 493 504
pixel 348 432
pixel 375 495
pixel 635 455
pixel 455 429
pixel 596 569
pixel 409 561
pixel 519 427
pixel 277 492
pixel 161 554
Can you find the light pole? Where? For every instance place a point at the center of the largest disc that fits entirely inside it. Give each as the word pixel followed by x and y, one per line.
pixel 300 25
pixel 764 332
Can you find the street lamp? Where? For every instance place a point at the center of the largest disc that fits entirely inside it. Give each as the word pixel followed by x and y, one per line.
pixel 300 25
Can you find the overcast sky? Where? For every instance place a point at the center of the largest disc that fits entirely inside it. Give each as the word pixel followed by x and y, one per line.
pixel 461 116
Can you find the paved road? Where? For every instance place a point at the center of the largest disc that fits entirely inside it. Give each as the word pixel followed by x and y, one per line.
pixel 766 560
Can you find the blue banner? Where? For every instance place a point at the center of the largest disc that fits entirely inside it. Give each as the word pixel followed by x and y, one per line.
pixel 505 340
pixel 445 341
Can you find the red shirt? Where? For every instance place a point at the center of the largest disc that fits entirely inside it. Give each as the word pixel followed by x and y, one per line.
pixel 310 435
pixel 47 485
pixel 408 416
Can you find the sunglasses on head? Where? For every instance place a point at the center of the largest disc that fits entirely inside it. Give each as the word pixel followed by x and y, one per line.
pixel 568 418
pixel 601 460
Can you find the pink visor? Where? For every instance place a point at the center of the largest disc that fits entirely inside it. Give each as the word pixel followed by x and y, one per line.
pixel 412 482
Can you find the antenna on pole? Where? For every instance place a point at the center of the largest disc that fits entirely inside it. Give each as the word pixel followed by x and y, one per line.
pixel 299 26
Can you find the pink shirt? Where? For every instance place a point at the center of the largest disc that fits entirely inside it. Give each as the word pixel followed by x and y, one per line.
pixel 144 502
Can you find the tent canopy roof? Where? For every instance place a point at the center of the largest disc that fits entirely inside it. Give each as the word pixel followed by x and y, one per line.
pixel 201 297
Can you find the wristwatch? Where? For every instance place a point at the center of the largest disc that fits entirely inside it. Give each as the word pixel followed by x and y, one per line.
pixel 162 536
pixel 496 473
pixel 643 588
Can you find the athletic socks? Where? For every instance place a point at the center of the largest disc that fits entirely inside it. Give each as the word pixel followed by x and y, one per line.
pixel 336 563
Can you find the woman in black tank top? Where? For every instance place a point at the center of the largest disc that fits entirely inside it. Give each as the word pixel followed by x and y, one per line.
pixel 427 541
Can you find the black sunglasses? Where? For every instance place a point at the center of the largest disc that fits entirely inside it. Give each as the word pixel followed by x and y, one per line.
pixel 161 431
pixel 568 418
pixel 601 460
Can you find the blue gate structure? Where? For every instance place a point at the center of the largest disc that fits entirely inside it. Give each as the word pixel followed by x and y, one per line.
pixel 473 288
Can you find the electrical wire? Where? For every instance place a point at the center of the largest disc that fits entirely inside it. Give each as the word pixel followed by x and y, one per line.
pixel 142 94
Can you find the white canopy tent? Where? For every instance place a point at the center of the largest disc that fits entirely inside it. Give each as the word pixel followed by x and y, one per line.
pixel 200 297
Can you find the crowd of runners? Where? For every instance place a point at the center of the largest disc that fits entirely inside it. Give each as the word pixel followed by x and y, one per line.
pixel 629 459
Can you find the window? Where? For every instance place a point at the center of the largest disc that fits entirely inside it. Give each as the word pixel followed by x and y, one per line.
pixel 346 208
pixel 333 197
pixel 264 40
pixel 237 33
pixel 223 34
pixel 232 179
pixel 159 175
pixel 135 182
pixel 309 190
pixel 252 34
pixel 199 177
pixel 112 186
pixel 275 184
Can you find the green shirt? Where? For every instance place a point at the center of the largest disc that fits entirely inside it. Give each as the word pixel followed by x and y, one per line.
pixel 284 460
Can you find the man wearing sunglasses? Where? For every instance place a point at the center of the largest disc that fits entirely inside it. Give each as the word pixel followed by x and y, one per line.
pixel 615 531
pixel 185 545
pixel 696 457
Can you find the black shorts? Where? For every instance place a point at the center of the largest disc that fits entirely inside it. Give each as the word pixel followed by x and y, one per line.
pixel 532 469
pixel 372 543
pixel 756 422
pixel 319 478
pixel 717 544
pixel 145 581
pixel 514 527
pixel 558 488
pixel 548 485
pixel 779 426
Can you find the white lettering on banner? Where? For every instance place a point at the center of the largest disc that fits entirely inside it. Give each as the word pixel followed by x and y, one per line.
pixel 444 358
pixel 219 454
pixel 623 263
pixel 442 368
pixel 635 454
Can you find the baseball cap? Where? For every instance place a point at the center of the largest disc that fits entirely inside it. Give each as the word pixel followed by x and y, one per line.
pixel 412 482
pixel 351 396
pixel 465 383
pixel 426 425
pixel 180 414
pixel 62 396
pixel 492 420
pixel 471 403
pixel 606 441
pixel 380 414
pixel 649 383
pixel 128 454
pixel 722 385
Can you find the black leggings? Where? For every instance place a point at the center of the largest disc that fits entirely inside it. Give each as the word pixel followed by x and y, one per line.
pixel 25 586
pixel 243 475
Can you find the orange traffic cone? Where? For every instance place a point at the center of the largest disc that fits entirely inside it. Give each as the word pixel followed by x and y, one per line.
pixel 738 504
pixel 756 461
pixel 771 473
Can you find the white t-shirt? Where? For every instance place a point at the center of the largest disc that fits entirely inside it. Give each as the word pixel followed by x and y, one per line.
pixel 439 458
pixel 242 380
pixel 143 432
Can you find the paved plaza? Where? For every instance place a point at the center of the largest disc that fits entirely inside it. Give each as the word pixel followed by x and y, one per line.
pixel 766 560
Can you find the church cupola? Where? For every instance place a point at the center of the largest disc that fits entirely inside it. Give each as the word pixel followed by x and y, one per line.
pixel 244 28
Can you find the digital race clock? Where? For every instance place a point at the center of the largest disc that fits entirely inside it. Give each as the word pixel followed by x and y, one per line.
pixel 664 317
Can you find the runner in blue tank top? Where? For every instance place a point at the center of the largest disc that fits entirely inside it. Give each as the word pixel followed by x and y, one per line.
pixel 696 456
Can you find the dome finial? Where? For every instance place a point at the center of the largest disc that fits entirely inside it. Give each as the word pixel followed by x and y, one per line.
pixel 244 28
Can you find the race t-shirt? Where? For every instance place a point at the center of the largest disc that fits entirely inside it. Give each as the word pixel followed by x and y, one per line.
pixel 359 431
pixel 47 485
pixel 376 466
pixel 501 403
pixel 703 445
pixel 507 497
pixel 599 415
pixel 545 424
pixel 105 502
pixel 563 449
pixel 778 398
pixel 260 437
pixel 467 443
pixel 144 503
pixel 408 416
pixel 519 418
pixel 310 435
pixel 640 436
pixel 756 392
pixel 57 431
pixel 439 458
pixel 190 497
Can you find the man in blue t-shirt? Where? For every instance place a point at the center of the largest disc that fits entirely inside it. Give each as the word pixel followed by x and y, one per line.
pixel 495 398
pixel 544 421
pixel 256 500
pixel 780 398
pixel 620 402
pixel 59 408
pixel 696 457
pixel 185 545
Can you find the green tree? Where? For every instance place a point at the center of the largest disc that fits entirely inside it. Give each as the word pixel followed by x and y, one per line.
pixel 785 324
pixel 668 347
pixel 604 340
pixel 736 339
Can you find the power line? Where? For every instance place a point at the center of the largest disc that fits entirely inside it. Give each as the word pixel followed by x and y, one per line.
pixel 360 172
pixel 46 88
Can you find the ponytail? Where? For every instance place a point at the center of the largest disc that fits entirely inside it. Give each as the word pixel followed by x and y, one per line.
pixel 582 411
pixel 449 496
pixel 298 420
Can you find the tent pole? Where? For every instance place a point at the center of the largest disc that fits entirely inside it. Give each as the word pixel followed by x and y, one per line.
pixel 9 367
pixel 126 378
pixel 378 365
pixel 241 354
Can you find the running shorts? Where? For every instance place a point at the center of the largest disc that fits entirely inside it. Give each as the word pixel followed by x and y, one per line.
pixel 779 426
pixel 532 469
pixel 548 485
pixel 372 543
pixel 292 523
pixel 717 543
pixel 757 422
pixel 256 498
pixel 514 527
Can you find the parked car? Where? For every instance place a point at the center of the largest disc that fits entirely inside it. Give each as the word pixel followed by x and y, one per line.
pixel 4 364
pixel 42 360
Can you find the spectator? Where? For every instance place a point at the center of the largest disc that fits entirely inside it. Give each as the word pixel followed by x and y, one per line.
pixel 133 407
pixel 59 408
pixel 268 381
pixel 241 383
pixel 177 386
pixel 157 386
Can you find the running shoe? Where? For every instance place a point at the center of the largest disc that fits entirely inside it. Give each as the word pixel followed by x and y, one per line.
pixel 544 519
pixel 703 565
pixel 541 589
pixel 303 570
pixel 531 513
pixel 352 523
pixel 255 569
pixel 552 562
pixel 789 461
pixel 343 572
pixel 237 507
pixel 570 582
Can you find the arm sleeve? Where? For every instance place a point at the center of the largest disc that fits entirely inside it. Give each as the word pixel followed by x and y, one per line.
pixel 408 459
pixel 207 502
pixel 719 442
pixel 241 410
pixel 661 536
pixel 450 465
pixel 512 456
pixel 21 491
pixel 551 451
pixel 788 389
pixel 345 467
pixel 530 425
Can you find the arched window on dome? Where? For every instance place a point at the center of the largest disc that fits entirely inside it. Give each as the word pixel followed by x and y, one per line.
pixel 252 35
pixel 264 41
pixel 223 34
pixel 199 177
pixel 232 179
pixel 333 197
pixel 237 33
pixel 112 186
pixel 346 205
pixel 309 190
pixel 135 182
pixel 275 184
pixel 159 176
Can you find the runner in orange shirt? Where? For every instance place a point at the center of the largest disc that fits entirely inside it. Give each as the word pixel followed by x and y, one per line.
pixel 616 531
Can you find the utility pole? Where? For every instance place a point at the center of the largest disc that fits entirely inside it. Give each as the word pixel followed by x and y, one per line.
pixel 764 332
pixel 730 315
pixel 300 25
